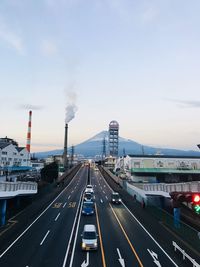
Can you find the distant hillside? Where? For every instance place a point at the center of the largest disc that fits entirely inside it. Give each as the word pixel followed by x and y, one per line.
pixel 94 146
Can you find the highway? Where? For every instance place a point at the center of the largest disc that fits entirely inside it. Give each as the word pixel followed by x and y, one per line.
pixel 54 238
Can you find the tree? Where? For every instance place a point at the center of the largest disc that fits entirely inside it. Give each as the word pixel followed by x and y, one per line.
pixel 50 172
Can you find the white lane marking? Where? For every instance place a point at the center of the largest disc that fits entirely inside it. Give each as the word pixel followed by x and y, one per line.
pixel 75 238
pixel 70 239
pixel 155 257
pixel 44 237
pixel 86 262
pixel 144 228
pixel 106 197
pixel 104 192
pixel 121 261
pixel 57 217
pixel 72 191
pixel 64 205
pixel 101 200
pixel 37 217
pixel 104 185
pixel 75 187
pixel 69 196
pixel 150 235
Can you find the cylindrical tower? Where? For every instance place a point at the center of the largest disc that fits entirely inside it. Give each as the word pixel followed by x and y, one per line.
pixel 28 143
pixel 113 138
pixel 65 160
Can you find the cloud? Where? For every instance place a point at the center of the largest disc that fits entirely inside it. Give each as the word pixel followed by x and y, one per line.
pixel 59 3
pixel 30 107
pixel 11 38
pixel 149 14
pixel 118 6
pixel 186 103
pixel 48 48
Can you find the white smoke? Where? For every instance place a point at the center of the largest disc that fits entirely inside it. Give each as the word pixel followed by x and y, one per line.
pixel 71 107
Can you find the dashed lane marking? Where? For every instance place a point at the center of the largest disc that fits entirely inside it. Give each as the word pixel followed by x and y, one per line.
pixel 44 237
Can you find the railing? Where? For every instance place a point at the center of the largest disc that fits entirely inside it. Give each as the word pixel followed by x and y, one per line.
pixel 15 188
pixel 182 187
pixel 185 255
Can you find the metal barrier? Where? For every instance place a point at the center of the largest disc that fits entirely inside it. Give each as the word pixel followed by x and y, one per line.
pixel 185 255
pixel 15 187
pixel 182 187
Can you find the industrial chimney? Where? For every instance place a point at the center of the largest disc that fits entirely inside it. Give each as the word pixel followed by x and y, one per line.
pixel 28 143
pixel 65 160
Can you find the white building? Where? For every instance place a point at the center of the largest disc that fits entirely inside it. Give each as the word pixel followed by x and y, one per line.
pixel 37 165
pixel 12 156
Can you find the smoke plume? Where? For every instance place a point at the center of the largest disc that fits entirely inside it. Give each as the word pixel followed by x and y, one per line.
pixel 71 107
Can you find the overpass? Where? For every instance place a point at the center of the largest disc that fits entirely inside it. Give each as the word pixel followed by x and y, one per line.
pixel 12 189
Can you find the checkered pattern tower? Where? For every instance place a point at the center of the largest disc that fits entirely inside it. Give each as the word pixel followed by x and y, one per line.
pixel 113 138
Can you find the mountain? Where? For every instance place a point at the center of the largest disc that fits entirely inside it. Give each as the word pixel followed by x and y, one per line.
pixel 94 146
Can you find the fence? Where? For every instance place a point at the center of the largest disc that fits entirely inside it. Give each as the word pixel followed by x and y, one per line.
pixel 17 187
pixel 182 187
pixel 185 255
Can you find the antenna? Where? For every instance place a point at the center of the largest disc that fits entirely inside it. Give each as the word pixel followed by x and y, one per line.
pixel 28 143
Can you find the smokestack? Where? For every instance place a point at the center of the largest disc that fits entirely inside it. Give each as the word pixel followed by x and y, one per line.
pixel 28 143
pixel 65 160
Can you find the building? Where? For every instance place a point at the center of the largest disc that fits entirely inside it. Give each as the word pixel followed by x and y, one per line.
pixel 13 157
pixel 113 138
pixel 109 162
pixel 159 168
pixel 37 165
pixel 54 158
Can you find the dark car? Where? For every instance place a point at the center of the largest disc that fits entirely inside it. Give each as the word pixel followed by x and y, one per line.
pixel 115 198
pixel 88 208
pixel 88 196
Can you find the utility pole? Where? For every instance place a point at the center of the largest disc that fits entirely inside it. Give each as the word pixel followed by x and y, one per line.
pixel 103 150
pixel 72 156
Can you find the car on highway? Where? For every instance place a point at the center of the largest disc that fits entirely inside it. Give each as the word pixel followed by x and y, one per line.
pixel 89 237
pixel 88 208
pixel 88 197
pixel 89 189
pixel 115 198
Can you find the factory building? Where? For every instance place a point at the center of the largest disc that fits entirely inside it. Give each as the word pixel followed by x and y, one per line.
pixel 13 157
pixel 159 168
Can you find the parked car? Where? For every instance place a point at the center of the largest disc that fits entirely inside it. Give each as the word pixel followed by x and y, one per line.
pixel 89 237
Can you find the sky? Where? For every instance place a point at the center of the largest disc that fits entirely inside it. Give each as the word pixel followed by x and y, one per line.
pixel 134 61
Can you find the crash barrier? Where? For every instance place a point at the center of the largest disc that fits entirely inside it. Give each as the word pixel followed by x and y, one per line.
pixel 185 255
pixel 16 186
pixel 11 189
pixel 176 187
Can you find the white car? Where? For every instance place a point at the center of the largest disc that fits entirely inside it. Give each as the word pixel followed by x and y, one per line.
pixel 89 189
pixel 89 237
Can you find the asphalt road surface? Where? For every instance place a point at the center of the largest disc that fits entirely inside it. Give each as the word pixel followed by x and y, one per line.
pixel 54 238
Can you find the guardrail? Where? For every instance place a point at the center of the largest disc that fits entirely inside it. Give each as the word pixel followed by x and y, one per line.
pixel 10 189
pixel 185 255
pixel 182 187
